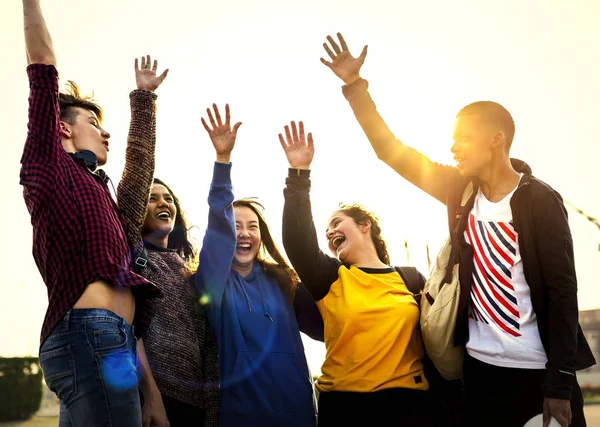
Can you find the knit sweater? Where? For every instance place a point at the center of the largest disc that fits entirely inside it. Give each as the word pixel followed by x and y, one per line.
pixel 181 349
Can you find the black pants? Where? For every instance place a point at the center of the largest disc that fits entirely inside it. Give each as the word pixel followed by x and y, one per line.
pixel 181 414
pixel 391 407
pixel 447 398
pixel 509 397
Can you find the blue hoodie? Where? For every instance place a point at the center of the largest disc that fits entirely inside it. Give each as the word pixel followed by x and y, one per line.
pixel 265 379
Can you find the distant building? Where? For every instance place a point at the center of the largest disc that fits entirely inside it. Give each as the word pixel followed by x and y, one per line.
pixel 590 323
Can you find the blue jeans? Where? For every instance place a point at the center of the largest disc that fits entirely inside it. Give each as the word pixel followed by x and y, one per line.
pixel 89 361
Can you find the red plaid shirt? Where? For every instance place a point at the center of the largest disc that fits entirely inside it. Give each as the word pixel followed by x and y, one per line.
pixel 78 230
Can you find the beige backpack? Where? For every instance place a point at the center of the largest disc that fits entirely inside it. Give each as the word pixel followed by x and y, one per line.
pixel 439 309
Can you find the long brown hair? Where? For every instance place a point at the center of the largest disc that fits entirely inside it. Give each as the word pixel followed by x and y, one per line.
pixel 360 215
pixel 269 256
pixel 179 238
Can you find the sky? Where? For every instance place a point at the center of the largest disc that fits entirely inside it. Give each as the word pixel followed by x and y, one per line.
pixel 426 60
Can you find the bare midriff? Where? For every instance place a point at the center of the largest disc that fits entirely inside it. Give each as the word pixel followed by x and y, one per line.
pixel 101 294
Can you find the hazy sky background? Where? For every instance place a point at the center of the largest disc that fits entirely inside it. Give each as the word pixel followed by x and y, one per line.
pixel 427 59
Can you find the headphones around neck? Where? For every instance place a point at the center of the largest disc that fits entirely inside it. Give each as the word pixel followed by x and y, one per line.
pixel 88 160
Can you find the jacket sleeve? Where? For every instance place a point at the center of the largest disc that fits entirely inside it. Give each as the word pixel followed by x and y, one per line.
pixel 433 178
pixel 316 270
pixel 308 315
pixel 135 185
pixel 218 247
pixel 555 249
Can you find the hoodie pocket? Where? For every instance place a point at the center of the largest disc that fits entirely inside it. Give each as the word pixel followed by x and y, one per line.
pixel 267 384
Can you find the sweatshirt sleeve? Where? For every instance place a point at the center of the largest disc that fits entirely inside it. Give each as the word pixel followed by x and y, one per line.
pixel 134 188
pixel 308 315
pixel 218 247
pixel 316 270
pixel 433 178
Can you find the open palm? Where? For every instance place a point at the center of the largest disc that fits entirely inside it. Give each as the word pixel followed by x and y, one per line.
pixel 342 63
pixel 299 149
pixel 221 134
pixel 145 76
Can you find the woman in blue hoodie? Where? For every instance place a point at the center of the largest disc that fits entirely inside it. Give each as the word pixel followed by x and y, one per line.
pixel 251 304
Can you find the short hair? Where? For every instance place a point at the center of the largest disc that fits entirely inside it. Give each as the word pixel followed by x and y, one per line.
pixel 71 99
pixel 495 114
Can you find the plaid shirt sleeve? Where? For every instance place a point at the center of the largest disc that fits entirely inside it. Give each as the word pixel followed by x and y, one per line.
pixel 42 151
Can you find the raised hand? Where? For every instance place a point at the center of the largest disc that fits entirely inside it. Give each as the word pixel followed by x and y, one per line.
pixel 145 76
pixel 343 64
pixel 221 134
pixel 298 149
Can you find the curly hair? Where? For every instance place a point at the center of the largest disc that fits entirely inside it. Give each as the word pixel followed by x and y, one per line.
pixel 360 215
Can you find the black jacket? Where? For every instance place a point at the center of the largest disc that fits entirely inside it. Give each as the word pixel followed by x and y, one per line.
pixel 545 242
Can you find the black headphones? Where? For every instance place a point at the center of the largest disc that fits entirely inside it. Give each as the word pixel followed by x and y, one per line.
pixel 88 160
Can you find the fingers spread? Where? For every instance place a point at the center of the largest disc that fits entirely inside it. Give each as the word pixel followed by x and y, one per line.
pixel 210 117
pixel 205 125
pixel 235 128
pixel 334 45
pixel 329 52
pixel 217 115
pixel 325 62
pixel 282 142
pixel 363 54
pixel 155 65
pixel 136 65
pixel 311 144
pixel 288 136
pixel 227 114
pixel 294 132
pixel 342 42
pixel 301 125
pixel 164 75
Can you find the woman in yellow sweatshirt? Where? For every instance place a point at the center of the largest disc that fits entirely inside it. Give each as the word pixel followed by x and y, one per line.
pixel 373 369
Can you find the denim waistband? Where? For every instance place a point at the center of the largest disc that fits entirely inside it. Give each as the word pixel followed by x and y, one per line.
pixel 77 316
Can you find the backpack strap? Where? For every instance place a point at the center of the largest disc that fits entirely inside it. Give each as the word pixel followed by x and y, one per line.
pixel 140 262
pixel 413 279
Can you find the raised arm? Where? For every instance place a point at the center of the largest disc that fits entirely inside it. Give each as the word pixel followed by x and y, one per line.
pixel 415 167
pixel 218 247
pixel 136 182
pixel 43 148
pixel 316 270
pixel 38 43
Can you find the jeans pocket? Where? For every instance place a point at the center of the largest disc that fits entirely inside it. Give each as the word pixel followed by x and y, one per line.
pixel 58 366
pixel 107 337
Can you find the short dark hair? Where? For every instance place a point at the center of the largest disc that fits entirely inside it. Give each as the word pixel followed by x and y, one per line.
pixel 71 99
pixel 360 215
pixel 279 269
pixel 495 114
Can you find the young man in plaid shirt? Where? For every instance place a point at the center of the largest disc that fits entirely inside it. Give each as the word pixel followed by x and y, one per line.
pixel 97 306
